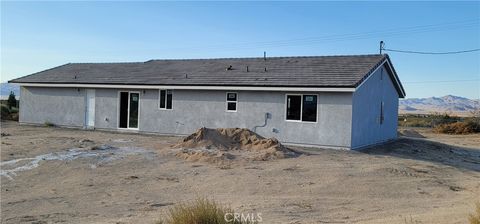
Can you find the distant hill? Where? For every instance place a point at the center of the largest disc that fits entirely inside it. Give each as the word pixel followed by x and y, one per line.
pixel 6 88
pixel 454 105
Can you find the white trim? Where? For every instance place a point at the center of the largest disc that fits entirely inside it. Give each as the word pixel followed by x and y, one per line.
pixel 160 97
pixel 227 101
pixel 128 110
pixel 88 116
pixel 395 79
pixel 252 88
pixel 301 108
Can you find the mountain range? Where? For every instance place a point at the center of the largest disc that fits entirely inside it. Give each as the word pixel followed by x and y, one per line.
pixel 450 104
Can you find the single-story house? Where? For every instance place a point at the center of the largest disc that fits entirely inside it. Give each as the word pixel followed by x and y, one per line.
pixel 330 101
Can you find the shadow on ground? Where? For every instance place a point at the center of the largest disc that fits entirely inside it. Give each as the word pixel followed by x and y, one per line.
pixel 426 150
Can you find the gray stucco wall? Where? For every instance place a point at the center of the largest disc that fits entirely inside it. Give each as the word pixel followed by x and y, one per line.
pixel 193 109
pixel 61 106
pixel 366 127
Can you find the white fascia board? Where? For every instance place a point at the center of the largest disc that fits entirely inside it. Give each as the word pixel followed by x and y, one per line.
pixel 395 79
pixel 246 88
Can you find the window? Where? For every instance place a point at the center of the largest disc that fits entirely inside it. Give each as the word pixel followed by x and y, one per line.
pixel 165 99
pixel 302 108
pixel 232 102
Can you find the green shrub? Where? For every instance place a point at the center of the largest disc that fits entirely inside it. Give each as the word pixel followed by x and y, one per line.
pixel 49 124
pixel 14 116
pixel 13 110
pixel 459 127
pixel 475 217
pixel 201 211
pixel 12 102
pixel 4 112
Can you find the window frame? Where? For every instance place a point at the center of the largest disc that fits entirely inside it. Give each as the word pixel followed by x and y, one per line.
pixel 301 108
pixel 128 110
pixel 231 101
pixel 166 98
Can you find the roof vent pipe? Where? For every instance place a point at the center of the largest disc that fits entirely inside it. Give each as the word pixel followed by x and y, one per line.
pixel 247 68
pixel 265 59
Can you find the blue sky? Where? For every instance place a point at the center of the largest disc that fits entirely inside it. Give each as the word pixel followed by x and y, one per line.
pixel 40 35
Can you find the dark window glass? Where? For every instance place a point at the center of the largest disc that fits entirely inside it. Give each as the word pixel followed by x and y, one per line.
pixel 309 112
pixel 231 101
pixel 232 106
pixel 169 99
pixel 123 110
pixel 133 116
pixel 231 97
pixel 162 98
pixel 293 107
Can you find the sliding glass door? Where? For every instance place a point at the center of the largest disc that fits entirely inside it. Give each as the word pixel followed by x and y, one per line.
pixel 129 103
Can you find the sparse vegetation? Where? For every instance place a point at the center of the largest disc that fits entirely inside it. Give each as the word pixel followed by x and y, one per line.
pixel 201 211
pixel 474 218
pixel 5 112
pixel 8 113
pixel 459 127
pixel 442 123
pixel 49 124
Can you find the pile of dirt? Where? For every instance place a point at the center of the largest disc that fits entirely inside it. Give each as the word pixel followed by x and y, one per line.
pixel 215 145
pixel 410 133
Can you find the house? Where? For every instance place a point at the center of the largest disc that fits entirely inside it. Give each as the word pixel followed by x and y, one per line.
pixel 330 101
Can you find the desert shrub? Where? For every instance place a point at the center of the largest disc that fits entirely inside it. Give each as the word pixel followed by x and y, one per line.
pixel 4 112
pixel 49 124
pixel 459 127
pixel 201 211
pixel 475 217
pixel 14 116
pixel 14 110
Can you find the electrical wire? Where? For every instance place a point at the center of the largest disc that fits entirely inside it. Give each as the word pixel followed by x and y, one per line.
pixel 437 53
pixel 334 38
pixel 444 81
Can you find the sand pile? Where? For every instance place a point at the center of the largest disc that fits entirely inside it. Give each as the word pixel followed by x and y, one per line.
pixel 214 145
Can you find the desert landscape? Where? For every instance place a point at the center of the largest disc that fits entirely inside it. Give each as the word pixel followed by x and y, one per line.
pixel 58 175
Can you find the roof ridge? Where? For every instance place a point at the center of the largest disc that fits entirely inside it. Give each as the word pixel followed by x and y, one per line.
pixel 274 57
pixel 121 62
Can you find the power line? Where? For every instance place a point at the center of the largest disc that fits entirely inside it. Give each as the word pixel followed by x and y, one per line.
pixel 437 53
pixel 445 81
pixel 341 37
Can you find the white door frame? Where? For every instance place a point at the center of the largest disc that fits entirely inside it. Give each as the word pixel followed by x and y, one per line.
pixel 128 110
pixel 89 108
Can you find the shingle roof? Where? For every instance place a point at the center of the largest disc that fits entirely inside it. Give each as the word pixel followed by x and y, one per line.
pixel 312 71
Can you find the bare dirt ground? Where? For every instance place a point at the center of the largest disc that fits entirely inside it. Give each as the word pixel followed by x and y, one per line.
pixel 51 175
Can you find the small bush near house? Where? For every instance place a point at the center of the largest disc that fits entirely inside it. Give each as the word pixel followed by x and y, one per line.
pixel 459 127
pixel 475 217
pixel 201 211
pixel 14 116
pixel 49 124
pixel 4 112
pixel 13 110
